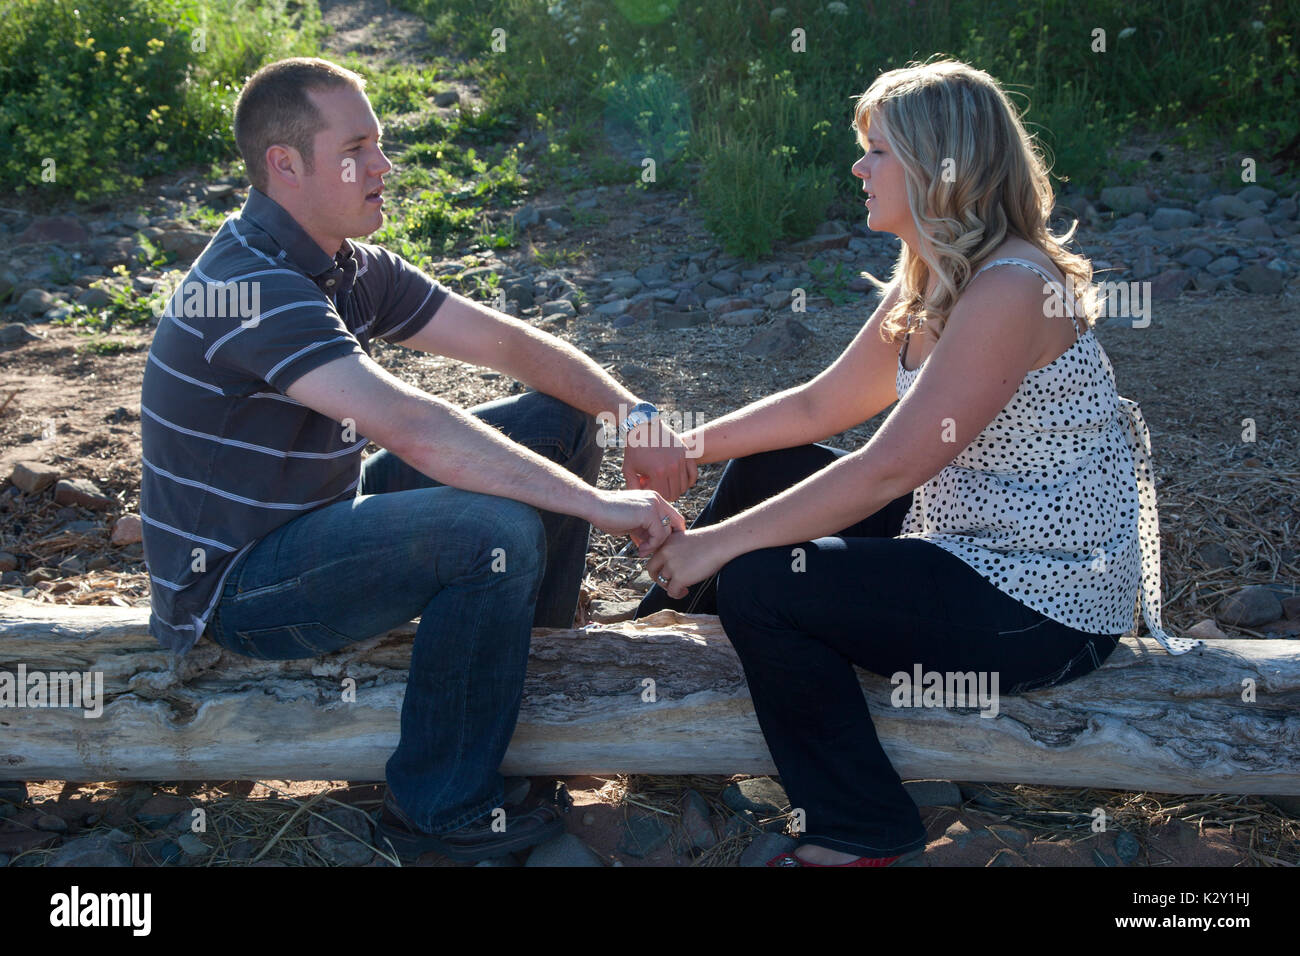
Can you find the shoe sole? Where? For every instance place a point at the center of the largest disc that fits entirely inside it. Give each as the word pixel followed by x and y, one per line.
pixel 410 849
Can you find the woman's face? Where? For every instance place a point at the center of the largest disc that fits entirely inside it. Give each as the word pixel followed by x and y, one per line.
pixel 885 184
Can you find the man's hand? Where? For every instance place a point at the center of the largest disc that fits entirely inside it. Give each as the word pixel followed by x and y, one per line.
pixel 643 515
pixel 655 458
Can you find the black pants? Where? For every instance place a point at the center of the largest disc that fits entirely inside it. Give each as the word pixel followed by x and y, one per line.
pixel 800 617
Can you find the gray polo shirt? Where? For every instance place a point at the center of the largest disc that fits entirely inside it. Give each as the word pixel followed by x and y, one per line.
pixel 227 456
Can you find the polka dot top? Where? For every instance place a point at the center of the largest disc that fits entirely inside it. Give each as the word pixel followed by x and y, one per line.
pixel 1054 501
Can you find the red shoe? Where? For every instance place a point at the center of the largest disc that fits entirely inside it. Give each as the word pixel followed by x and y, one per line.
pixel 790 859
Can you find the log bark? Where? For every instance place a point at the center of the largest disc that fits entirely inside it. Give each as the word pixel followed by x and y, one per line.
pixel 1144 721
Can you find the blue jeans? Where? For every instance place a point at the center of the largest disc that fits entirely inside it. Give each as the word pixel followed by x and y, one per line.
pixel 478 570
pixel 865 598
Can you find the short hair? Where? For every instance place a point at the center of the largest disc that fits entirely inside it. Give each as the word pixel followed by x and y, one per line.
pixel 274 109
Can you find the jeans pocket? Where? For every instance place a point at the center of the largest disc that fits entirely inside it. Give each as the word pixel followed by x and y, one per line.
pixel 292 641
pixel 1081 663
pixel 265 590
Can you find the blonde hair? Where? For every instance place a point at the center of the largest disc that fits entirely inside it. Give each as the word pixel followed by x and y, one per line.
pixel 973 174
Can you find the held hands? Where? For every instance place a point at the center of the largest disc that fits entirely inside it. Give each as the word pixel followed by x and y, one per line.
pixel 643 515
pixel 686 558
pixel 655 458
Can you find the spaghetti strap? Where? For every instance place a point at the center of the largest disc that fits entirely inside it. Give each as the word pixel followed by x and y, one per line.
pixel 1012 260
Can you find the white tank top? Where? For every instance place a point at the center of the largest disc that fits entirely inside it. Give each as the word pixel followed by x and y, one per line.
pixel 1054 502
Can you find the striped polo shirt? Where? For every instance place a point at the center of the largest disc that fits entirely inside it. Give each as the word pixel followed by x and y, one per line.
pixel 227 456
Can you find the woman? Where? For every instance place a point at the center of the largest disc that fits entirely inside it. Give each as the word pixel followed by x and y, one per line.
pixel 1001 519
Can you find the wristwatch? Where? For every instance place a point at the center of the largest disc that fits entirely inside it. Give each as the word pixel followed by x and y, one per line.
pixel 641 413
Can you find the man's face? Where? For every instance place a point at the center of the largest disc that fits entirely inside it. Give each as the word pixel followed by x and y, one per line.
pixel 344 192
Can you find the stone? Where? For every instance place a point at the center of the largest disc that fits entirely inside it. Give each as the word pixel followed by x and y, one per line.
pixel 563 850
pixel 127 529
pixel 1229 207
pixel 1223 265
pixel 49 823
pixel 519 291
pixel 161 810
pixel 1168 284
pixel 824 243
pixel 1166 218
pixel 670 319
pixel 8 562
pixel 777 298
pixel 113 251
pixel 526 216
pixel 728 303
pixel 761 795
pixel 1206 630
pixel 446 98
pixel 696 821
pixel 765 847
pixel 611 612
pixel 1291 608
pixel 1260 280
pixel 742 317
pixel 654 272
pixel 933 793
pixel 83 493
pixel 90 851
pixel 36 302
pixel 1255 227
pixel 612 309
pixel 626 285
pixel 1257 193
pixel 192 846
pixel 1196 258
pixel 783 338
pixel 346 846
pixel 162 850
pixel 1215 556
pixel 188 244
pixel 15 333
pixel 63 229
pixel 1127 847
pixel 642 835
pixel 94 298
pixel 725 281
pixel 13 792
pixel 1250 607
pixel 559 307
pixel 1126 199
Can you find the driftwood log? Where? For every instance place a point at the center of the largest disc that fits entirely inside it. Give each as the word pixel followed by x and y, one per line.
pixel 1145 721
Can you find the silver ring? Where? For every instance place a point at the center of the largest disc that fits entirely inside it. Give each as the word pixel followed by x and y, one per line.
pixel 664 520
pixel 662 579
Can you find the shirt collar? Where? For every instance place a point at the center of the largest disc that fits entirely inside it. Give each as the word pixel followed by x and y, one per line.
pixel 299 248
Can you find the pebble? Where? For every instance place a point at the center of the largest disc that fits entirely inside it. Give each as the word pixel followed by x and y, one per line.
pixel 1126 199
pixel 933 793
pixel 49 823
pixel 192 846
pixel 15 333
pixel 564 850
pixel 783 338
pixel 642 835
pixel 1229 207
pixel 82 493
pixel 93 850
pixel 1249 607
pixel 1206 630
pixel 344 848
pixel 696 821
pixel 1127 847
pixel 611 612
pixel 8 562
pixel 1215 556
pixel 765 847
pixel 1260 280
pixel 128 529
pixel 761 795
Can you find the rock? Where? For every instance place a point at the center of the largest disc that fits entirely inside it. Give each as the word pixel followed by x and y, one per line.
pixel 559 307
pixel 446 98
pixel 1223 265
pixel 1196 258
pixel 612 309
pixel 783 338
pixel 822 243
pixel 1126 199
pixel 728 303
pixel 1257 193
pixel 761 795
pixel 161 810
pixel 83 493
pixel 1165 218
pixel 564 850
pixel 933 793
pixel 1260 280
pixel 611 612
pixel 13 791
pixel 188 244
pixel 94 298
pixel 7 562
pixel 161 850
pixel 192 846
pixel 1250 607
pixel 519 291
pixel 1206 630
pixel 72 565
pixel 346 847
pixel 93 850
pixel 777 298
pixel 1286 209
pixel 526 216
pixel 725 281
pixel 128 529
pixel 36 302
pixel 742 317
pixel 1229 207
pixel 15 333
pixel 63 229
pixel 49 823
pixel 242 849
pixel 1291 608
pixel 626 285
pixel 654 272
pixel 680 320
pixel 765 847
pixel 1215 556
pixel 696 822
pixel 112 251
pixel 642 835
pixel 560 214
pixel 1254 227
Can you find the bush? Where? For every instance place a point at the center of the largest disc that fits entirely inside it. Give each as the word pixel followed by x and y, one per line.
pixel 95 94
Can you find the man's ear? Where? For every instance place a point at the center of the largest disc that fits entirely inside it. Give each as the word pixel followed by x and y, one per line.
pixel 284 164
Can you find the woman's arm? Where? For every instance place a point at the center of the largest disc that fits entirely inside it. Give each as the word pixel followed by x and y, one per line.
pixel 991 340
pixel 854 388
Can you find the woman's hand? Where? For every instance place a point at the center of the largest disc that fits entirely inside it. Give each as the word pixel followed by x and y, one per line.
pixel 643 515
pixel 686 558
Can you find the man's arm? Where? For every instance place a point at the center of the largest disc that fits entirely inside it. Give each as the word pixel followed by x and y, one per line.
pixel 474 333
pixel 448 444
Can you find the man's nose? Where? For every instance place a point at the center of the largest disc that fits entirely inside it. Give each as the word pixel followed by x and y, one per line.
pixel 385 165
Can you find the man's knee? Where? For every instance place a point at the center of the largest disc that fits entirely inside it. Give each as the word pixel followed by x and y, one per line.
pixel 506 534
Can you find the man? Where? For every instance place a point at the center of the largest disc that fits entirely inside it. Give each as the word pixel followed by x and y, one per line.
pixel 266 531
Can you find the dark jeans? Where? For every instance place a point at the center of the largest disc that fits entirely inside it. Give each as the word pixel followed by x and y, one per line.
pixel 886 604
pixel 478 570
